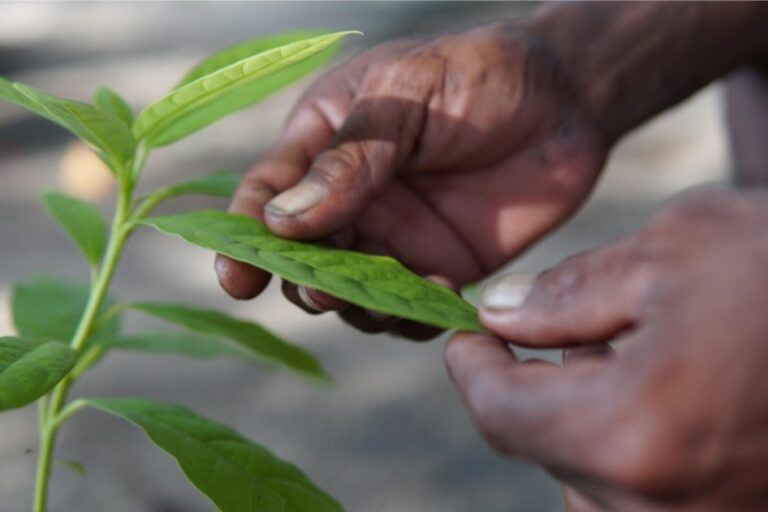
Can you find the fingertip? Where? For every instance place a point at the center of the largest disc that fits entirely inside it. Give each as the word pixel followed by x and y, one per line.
pixel 367 321
pixel 240 280
pixel 302 211
pixel 443 281
pixel 299 199
pixel 293 227
pixel 468 350
pixel 321 301
pixel 508 291
pixel 503 322
pixel 310 300
pixel 415 331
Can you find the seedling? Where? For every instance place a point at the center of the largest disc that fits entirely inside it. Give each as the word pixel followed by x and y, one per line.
pixel 65 328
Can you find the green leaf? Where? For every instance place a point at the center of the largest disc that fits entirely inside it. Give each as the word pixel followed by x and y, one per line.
pixel 30 368
pixel 50 308
pixel 253 337
pixel 235 473
pixel 239 51
pixel 378 283
pixel 109 100
pixel 185 344
pixel 95 126
pixel 82 221
pixel 73 465
pixel 227 90
pixel 219 183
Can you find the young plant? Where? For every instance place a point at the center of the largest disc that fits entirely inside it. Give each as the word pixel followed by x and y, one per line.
pixel 65 328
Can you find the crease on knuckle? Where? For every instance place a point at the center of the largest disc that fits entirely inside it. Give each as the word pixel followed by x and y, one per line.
pixel 345 167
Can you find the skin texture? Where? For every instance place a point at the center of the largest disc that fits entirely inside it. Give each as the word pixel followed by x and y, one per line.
pixel 470 145
pixel 455 153
pixel 676 418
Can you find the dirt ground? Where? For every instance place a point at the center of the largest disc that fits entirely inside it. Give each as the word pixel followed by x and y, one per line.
pixel 391 436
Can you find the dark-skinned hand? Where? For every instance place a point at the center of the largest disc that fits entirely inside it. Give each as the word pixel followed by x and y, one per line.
pixel 451 154
pixel 677 418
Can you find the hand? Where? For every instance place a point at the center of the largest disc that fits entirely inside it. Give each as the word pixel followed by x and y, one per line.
pixel 452 155
pixel 677 418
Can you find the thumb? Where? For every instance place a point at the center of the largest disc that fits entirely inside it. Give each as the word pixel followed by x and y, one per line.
pixel 587 298
pixel 377 137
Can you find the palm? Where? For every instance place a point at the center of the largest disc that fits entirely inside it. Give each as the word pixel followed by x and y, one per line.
pixel 464 224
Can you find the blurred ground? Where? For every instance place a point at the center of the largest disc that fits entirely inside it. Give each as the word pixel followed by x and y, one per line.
pixel 392 435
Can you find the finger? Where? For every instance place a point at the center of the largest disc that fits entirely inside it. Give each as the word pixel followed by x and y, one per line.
pixel 417 331
pixel 588 298
pixel 586 352
pixel 369 322
pixel 312 301
pixel 578 502
pixel 377 136
pixel 304 136
pixel 537 411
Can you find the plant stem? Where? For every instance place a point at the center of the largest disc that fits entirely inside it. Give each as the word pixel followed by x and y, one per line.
pixel 44 461
pixel 101 284
pixel 52 416
pixel 67 412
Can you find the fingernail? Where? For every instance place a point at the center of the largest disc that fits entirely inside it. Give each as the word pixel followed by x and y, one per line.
pixel 296 200
pixel 508 291
pixel 308 301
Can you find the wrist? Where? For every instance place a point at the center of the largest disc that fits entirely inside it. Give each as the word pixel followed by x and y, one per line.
pixel 629 61
pixel 564 35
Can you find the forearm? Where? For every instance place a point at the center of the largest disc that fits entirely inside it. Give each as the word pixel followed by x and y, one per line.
pixel 629 61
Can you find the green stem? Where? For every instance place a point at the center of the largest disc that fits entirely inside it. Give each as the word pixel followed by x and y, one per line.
pixel 150 203
pixel 109 314
pixel 90 357
pixel 101 285
pixel 67 412
pixel 52 416
pixel 44 461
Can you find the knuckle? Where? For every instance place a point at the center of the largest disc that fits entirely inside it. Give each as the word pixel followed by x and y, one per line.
pixel 698 206
pixel 567 276
pixel 408 76
pixel 344 167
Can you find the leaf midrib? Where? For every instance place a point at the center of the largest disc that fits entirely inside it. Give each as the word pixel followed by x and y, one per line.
pixel 175 113
pixel 218 456
pixel 77 116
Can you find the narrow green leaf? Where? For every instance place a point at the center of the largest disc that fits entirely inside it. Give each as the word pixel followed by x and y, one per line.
pixel 50 308
pixel 219 183
pixel 185 344
pixel 229 89
pixel 378 283
pixel 243 50
pixel 73 465
pixel 95 126
pixel 110 101
pixel 253 337
pixel 235 473
pixel 30 368
pixel 82 221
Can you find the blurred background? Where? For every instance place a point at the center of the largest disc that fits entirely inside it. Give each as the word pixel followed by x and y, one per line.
pixel 391 436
